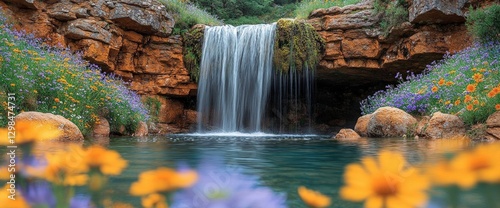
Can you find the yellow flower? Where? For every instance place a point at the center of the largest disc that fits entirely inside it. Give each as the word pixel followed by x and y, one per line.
pixel 12 85
pixel 447 102
pixel 313 198
pixel 16 50
pixel 471 88
pixel 385 181
pixel 154 201
pixel 63 167
pixel 109 162
pixel 469 168
pixel 20 202
pixel 162 179
pixel 434 89
pixel 29 131
pixel 441 82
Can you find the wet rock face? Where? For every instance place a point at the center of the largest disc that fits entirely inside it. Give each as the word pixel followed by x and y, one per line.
pixel 358 53
pixel 130 38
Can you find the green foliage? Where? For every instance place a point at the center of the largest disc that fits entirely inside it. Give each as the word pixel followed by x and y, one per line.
pixel 394 12
pixel 465 84
pixel 307 6
pixel 484 24
pixel 297 46
pixel 187 15
pixel 153 105
pixel 56 81
pixel 193 40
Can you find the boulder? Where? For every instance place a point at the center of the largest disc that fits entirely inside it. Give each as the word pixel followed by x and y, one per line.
pixel 493 126
pixel 442 125
pixel 361 126
pixel 101 128
pixel 142 129
pixel 347 134
pixel 390 122
pixel 70 131
pixel 30 4
pixel 437 11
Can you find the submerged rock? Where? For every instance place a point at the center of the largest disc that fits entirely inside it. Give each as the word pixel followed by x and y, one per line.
pixel 70 131
pixel 347 134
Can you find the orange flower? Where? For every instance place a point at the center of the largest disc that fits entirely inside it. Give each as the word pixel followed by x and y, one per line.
pixel 313 198
pixel 457 102
pixel 471 88
pixel 478 77
pixel 108 162
pixel 467 99
pixel 434 89
pixel 497 107
pixel 470 107
pixel 476 102
pixel 441 82
pixel 449 83
pixel 57 100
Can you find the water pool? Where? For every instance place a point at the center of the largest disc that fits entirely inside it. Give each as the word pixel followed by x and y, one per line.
pixel 282 162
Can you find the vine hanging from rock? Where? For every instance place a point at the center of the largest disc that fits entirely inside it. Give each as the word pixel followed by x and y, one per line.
pixel 193 41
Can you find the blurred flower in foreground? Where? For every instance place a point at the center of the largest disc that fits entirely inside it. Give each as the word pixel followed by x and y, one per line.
pixel 39 194
pixel 20 202
pixel 386 181
pixel 468 168
pixel 313 198
pixel 218 187
pixel 108 162
pixel 448 145
pixel 154 201
pixel 63 167
pixel 29 131
pixel 162 180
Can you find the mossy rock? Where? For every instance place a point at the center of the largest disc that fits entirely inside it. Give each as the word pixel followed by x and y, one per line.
pixel 297 46
pixel 193 41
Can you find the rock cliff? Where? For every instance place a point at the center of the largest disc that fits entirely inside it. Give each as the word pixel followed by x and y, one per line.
pixel 130 38
pixel 357 51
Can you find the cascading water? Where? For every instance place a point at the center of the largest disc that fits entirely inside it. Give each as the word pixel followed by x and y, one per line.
pixel 235 80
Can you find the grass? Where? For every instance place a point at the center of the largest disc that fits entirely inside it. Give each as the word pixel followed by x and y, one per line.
pixel 57 81
pixel 305 8
pixel 465 84
pixel 187 15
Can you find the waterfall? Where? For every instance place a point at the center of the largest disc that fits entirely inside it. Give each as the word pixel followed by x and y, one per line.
pixel 235 77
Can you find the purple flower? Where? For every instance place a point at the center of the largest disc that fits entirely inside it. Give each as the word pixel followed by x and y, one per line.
pixel 80 201
pixel 220 187
pixel 39 193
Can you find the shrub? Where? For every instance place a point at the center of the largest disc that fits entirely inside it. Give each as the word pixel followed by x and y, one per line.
pixel 465 84
pixel 54 80
pixel 305 8
pixel 187 15
pixel 484 24
pixel 393 13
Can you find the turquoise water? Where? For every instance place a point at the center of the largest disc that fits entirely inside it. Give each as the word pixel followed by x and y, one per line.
pixel 282 163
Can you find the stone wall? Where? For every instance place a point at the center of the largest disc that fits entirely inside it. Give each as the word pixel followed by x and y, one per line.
pixel 131 38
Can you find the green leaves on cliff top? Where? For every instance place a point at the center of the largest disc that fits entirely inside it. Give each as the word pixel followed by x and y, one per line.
pixel 297 46
pixel 484 24
pixel 187 15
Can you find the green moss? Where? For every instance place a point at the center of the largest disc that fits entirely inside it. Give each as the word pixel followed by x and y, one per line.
pixel 297 46
pixel 153 105
pixel 193 41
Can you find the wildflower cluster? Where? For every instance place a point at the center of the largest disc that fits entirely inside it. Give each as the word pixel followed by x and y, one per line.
pixel 465 84
pixel 55 80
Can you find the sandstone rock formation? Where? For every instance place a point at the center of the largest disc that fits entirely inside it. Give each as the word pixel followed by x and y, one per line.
pixel 361 126
pixel 70 131
pixel 101 128
pixel 357 51
pixel 127 37
pixel 347 134
pixel 142 129
pixel 493 126
pixel 441 125
pixel 390 122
